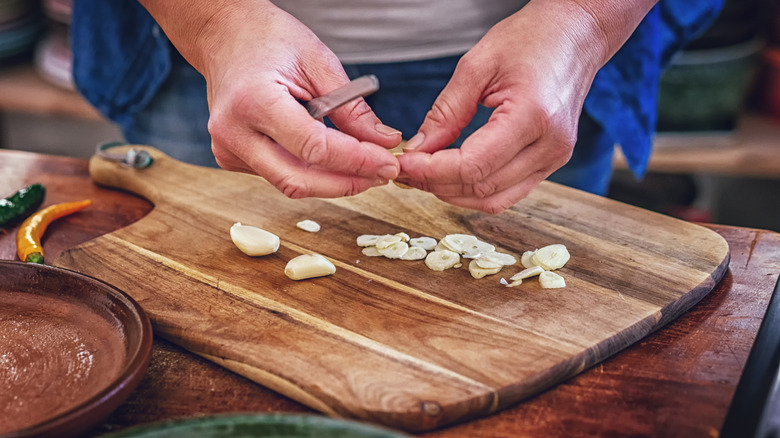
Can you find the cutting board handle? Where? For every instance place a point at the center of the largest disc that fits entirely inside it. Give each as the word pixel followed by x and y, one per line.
pixel 146 182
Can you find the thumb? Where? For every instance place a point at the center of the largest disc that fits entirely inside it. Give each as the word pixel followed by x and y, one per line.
pixel 452 111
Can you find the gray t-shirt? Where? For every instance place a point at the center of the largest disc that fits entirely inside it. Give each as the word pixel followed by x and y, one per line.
pixel 399 30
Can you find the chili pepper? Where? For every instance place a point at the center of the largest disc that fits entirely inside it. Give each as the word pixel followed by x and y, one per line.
pixel 28 238
pixel 21 204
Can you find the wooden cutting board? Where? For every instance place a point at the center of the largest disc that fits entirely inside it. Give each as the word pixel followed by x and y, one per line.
pixel 390 341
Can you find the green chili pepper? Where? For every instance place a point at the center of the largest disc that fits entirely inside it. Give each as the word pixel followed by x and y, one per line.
pixel 21 204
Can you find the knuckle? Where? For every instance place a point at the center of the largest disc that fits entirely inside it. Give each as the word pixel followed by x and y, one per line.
pixel 293 187
pixel 483 189
pixel 474 170
pixel 314 149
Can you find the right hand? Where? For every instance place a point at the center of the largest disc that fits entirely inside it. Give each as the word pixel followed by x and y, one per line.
pixel 258 61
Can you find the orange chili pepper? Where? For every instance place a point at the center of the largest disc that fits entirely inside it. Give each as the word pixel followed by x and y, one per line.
pixel 28 238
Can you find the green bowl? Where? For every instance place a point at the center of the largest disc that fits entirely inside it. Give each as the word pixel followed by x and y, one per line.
pixel 705 90
pixel 254 426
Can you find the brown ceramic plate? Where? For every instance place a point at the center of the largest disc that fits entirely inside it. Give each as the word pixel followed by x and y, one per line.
pixel 72 349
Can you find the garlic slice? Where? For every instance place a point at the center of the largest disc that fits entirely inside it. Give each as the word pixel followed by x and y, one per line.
pixel 551 280
pixel 386 240
pixel 426 243
pixel 308 225
pixel 551 257
pixel 525 259
pixel 394 250
pixel 404 237
pixel 477 271
pixel 414 253
pixel 367 240
pixel 527 272
pixel 254 241
pixel 371 251
pixel 441 260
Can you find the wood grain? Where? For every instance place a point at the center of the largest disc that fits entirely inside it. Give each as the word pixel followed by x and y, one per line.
pixel 384 340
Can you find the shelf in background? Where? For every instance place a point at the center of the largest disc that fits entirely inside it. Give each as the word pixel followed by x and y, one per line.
pixel 752 150
pixel 23 90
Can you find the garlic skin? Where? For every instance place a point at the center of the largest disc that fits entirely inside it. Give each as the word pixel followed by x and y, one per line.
pixel 254 241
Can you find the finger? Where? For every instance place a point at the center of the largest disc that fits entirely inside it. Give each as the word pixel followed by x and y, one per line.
pixel 535 158
pixel 286 172
pixel 510 129
pixel 452 110
pixel 357 119
pixel 289 124
pixel 499 201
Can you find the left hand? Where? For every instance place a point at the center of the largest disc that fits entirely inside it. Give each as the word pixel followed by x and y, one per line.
pixel 535 68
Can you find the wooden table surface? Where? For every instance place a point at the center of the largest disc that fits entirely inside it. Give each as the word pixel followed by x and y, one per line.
pixel 678 381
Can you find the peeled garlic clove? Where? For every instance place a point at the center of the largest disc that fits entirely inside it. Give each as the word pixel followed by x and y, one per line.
pixel 367 240
pixel 441 260
pixel 386 240
pixel 515 283
pixel 253 241
pixel 477 271
pixel 526 261
pixel 308 225
pixel 394 250
pixel 527 272
pixel 551 280
pixel 551 257
pixel 309 266
pixel 414 253
pixel 426 243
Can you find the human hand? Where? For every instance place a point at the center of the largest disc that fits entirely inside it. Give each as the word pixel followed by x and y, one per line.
pixel 535 68
pixel 258 61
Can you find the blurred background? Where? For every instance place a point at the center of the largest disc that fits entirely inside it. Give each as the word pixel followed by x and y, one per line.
pixel 716 155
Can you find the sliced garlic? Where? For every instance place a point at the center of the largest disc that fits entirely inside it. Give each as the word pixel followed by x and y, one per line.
pixel 394 250
pixel 526 261
pixel 551 257
pixel 308 225
pixel 371 251
pixel 367 240
pixel 476 249
pixel 386 240
pixel 254 241
pixel 487 263
pixel 551 280
pixel 309 266
pixel 477 271
pixel 499 258
pixel 515 283
pixel 441 260
pixel 456 242
pixel 527 272
pixel 426 243
pixel 404 237
pixel 414 253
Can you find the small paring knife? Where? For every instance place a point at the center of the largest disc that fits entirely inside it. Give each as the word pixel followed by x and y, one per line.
pixel 320 107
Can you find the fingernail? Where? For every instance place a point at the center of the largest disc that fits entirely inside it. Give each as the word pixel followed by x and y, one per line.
pixel 414 142
pixel 386 130
pixel 388 172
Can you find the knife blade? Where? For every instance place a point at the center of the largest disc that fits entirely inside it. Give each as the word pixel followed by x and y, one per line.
pixel 323 105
